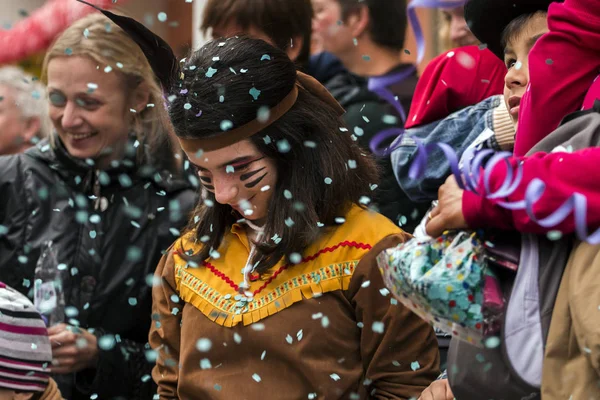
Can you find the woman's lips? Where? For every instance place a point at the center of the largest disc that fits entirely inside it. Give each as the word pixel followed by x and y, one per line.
pixel 239 208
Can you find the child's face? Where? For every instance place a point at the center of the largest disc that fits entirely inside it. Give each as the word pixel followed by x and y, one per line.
pixel 515 57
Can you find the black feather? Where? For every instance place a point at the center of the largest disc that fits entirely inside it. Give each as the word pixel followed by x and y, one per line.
pixel 159 54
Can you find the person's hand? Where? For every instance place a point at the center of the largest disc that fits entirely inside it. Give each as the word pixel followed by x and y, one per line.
pixel 73 349
pixel 438 390
pixel 448 213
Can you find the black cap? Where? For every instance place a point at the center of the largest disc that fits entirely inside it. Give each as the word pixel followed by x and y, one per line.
pixel 159 54
pixel 487 19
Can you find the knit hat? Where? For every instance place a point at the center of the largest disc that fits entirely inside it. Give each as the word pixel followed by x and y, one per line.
pixel 453 80
pixel 487 19
pixel 25 351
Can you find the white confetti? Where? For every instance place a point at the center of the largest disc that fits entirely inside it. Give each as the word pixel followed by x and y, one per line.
pixel 258 326
pixel 203 345
pixel 378 327
pixel 237 338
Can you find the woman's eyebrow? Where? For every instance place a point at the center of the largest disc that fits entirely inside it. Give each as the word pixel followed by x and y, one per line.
pixel 235 162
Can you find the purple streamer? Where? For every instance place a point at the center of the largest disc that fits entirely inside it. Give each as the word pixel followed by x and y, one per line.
pixel 379 86
pixel 576 204
pixel 419 164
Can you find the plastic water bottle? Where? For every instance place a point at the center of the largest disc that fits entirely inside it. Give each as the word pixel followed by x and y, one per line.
pixel 48 287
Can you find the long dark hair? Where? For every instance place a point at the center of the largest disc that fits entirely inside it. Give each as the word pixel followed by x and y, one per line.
pixel 321 169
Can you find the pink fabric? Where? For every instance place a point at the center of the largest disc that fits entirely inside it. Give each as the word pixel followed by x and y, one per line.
pixel 564 173
pixel 36 32
pixel 492 294
pixel 23 330
pixel 562 66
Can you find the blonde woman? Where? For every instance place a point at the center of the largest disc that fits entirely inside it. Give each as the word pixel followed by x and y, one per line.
pixel 104 189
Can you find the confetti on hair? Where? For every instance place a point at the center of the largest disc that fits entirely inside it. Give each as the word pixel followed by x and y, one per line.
pixel 265 57
pixel 364 200
pixel 254 92
pixel 226 125
pixel 210 72
pixel 283 146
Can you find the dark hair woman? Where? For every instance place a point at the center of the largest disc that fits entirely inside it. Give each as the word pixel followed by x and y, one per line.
pixel 273 287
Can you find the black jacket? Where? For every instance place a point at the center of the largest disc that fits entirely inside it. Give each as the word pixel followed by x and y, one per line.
pixel 365 112
pixel 110 229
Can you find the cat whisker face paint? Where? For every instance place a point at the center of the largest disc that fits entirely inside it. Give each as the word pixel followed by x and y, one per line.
pixel 237 175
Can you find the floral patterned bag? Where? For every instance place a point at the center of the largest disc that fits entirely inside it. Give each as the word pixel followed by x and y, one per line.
pixel 446 281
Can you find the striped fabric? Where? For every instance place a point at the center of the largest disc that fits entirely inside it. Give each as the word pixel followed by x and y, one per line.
pixel 25 352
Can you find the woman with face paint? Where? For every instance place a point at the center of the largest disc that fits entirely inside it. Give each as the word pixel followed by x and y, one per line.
pixel 273 292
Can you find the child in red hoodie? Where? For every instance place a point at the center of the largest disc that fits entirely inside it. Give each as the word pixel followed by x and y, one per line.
pixel 563 66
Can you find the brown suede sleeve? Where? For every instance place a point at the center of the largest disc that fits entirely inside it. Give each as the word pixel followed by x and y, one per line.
pixel 401 358
pixel 165 329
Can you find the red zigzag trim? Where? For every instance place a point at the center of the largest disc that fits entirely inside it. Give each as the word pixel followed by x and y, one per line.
pixel 331 249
